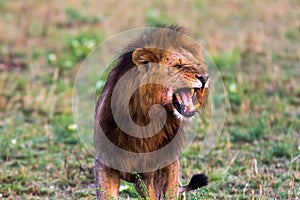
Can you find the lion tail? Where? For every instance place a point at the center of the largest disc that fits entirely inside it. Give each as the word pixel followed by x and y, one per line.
pixel 197 181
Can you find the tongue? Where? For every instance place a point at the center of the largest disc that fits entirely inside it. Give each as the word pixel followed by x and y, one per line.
pixel 187 101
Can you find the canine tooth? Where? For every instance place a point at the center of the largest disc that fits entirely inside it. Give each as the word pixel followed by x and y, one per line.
pixel 207 83
pixel 203 90
pixel 178 98
pixel 192 91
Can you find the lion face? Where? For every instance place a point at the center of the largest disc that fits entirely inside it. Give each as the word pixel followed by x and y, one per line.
pixel 185 76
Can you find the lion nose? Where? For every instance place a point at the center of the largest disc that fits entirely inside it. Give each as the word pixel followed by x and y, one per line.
pixel 202 78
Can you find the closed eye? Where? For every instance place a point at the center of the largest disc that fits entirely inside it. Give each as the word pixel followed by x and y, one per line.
pixel 177 66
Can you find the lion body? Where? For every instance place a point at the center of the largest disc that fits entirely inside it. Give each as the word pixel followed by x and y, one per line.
pixel 171 60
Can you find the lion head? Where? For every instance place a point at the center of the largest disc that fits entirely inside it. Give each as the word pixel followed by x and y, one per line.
pixel 182 73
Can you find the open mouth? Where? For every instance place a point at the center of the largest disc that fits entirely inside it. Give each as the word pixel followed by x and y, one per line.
pixel 185 101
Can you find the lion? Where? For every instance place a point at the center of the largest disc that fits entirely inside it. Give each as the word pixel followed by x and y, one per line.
pixel 170 73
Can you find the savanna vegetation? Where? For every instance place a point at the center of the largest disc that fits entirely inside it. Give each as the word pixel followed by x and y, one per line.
pixel 255 45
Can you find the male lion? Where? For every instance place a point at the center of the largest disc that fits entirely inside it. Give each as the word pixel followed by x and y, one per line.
pixel 165 68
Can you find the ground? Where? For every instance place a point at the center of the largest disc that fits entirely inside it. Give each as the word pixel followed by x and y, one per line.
pixel 255 45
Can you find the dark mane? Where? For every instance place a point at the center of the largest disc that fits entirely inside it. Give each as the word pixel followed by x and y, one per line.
pixel 157 37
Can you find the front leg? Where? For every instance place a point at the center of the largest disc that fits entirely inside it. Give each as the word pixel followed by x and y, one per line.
pixel 167 182
pixel 107 181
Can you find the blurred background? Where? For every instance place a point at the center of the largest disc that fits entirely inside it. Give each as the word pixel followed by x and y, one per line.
pixel 255 45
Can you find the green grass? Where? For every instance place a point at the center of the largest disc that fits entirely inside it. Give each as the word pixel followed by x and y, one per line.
pixel 256 157
pixel 155 18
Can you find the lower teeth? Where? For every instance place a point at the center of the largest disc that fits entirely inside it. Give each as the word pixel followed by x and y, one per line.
pixel 193 97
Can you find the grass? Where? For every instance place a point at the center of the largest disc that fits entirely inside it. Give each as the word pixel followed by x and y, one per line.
pixel 256 157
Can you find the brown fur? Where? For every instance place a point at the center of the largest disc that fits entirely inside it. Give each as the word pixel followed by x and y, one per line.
pixel 176 61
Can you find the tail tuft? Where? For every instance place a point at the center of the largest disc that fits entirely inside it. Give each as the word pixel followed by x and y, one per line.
pixel 197 181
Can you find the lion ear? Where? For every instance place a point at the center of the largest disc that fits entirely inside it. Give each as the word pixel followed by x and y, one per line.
pixel 142 56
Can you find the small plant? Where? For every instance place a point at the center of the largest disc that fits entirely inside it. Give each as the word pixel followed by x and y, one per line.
pixel 103 192
pixel 227 63
pixel 3 4
pixel 200 5
pixel 78 47
pixel 75 16
pixel 280 150
pixel 128 188
pixel 199 194
pixel 81 45
pixel 65 130
pixel 155 18
pixel 142 186
pixel 254 132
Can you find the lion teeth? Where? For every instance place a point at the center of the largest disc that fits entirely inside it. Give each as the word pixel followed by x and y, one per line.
pixel 192 91
pixel 178 98
pixel 207 83
pixel 203 91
